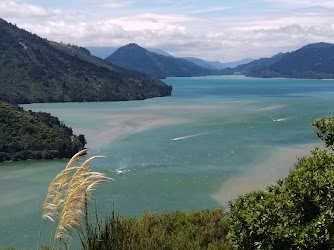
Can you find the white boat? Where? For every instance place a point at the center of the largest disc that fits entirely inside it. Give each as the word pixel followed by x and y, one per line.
pixel 120 171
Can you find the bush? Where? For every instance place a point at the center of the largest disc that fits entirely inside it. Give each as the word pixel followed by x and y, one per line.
pixel 204 229
pixel 296 213
pixel 325 130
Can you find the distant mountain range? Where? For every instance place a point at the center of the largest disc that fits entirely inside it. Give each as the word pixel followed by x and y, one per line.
pixel 214 65
pixel 137 58
pixel 313 61
pixel 104 52
pixel 33 69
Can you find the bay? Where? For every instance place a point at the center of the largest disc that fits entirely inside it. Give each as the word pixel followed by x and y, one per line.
pixel 215 138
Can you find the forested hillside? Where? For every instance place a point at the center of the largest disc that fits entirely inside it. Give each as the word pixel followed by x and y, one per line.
pixel 33 69
pixel 30 135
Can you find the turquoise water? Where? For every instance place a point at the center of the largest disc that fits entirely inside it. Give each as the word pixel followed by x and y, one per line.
pixel 215 138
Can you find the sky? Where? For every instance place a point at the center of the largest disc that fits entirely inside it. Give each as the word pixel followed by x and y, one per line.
pixel 212 29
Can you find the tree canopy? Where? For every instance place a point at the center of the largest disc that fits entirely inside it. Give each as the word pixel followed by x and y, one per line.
pixel 295 213
pixel 35 135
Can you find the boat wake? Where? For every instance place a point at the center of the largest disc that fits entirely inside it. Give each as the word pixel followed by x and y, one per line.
pixel 279 119
pixel 187 137
pixel 122 171
pixel 273 107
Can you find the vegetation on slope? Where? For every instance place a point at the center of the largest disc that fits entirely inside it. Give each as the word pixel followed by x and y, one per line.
pixel 297 212
pixel 203 229
pixel 33 69
pixel 255 67
pixel 29 135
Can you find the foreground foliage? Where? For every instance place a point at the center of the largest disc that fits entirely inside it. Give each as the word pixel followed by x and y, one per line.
pixel 35 135
pixel 203 229
pixel 297 212
pixel 69 193
pixel 325 130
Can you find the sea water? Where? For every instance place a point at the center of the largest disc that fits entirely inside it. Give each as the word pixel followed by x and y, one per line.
pixel 212 140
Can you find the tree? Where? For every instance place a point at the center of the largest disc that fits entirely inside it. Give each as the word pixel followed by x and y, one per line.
pixel 295 213
pixel 325 130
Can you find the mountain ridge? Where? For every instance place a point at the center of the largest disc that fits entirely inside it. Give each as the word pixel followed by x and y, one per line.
pixel 312 61
pixel 33 69
pixel 134 57
pixel 217 65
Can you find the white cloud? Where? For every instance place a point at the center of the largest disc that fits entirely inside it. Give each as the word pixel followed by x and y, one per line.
pixel 112 4
pixel 150 21
pixel 22 10
pixel 303 3
pixel 226 38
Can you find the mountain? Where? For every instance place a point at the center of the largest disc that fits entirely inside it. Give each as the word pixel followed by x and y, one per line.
pixel 254 67
pixel 33 69
pixel 104 52
pixel 134 57
pixel 313 61
pixel 30 135
pixel 214 65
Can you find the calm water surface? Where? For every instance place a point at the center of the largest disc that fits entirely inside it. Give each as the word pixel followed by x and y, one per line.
pixel 215 138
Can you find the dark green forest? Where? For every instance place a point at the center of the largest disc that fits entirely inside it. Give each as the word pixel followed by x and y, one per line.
pixel 30 135
pixel 33 69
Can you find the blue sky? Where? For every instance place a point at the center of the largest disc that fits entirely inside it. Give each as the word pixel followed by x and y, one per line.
pixel 212 30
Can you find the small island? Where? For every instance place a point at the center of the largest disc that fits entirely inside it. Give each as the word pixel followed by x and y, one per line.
pixel 35 135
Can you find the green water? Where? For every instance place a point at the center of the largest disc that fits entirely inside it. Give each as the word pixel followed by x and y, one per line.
pixel 216 137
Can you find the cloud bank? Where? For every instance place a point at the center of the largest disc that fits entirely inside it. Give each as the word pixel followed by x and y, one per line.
pixel 217 32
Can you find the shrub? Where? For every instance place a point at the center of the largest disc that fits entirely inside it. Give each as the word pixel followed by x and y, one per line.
pixel 296 213
pixel 204 229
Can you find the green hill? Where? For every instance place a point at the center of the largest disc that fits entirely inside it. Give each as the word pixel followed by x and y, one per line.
pixel 137 58
pixel 33 69
pixel 255 67
pixel 313 61
pixel 29 135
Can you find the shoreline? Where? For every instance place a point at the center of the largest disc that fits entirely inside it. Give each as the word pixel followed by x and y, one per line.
pixel 267 173
pixel 253 77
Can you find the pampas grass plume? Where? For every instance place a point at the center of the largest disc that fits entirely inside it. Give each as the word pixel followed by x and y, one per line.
pixel 68 193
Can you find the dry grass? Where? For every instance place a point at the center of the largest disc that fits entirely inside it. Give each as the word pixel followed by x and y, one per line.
pixel 68 193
